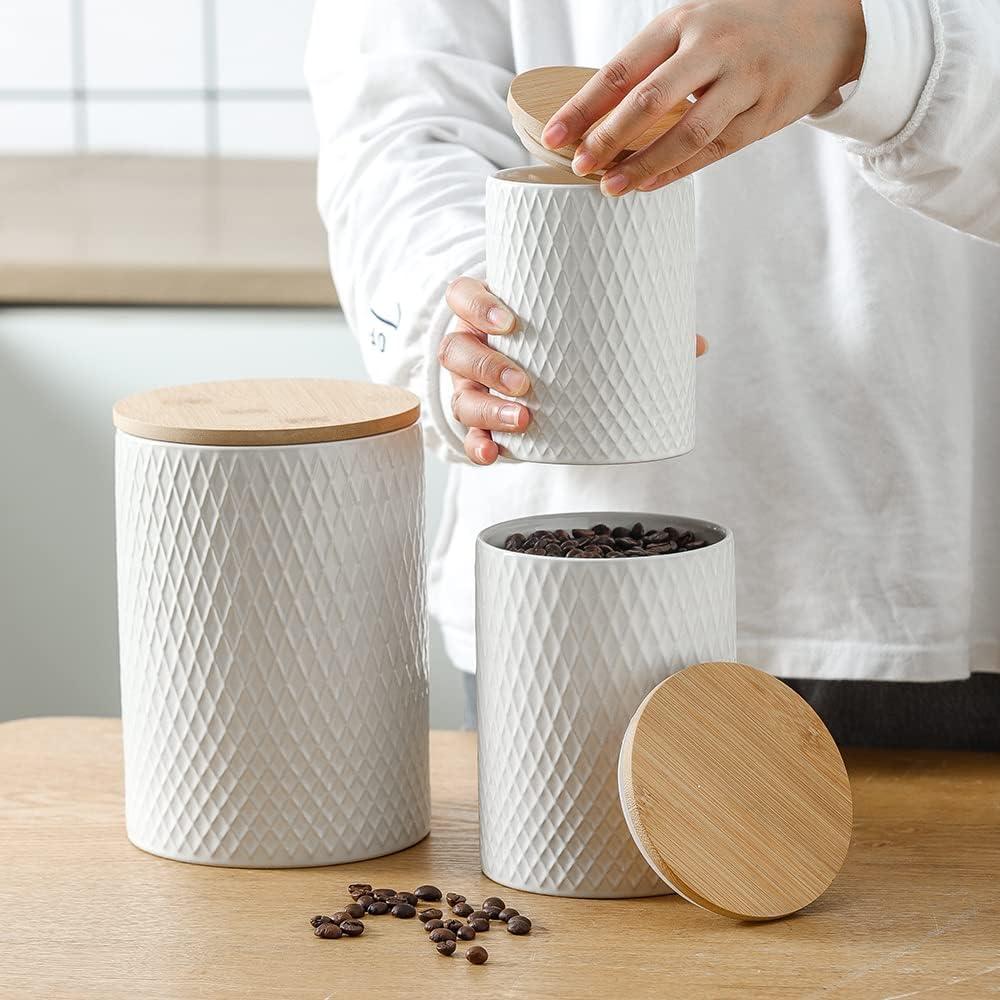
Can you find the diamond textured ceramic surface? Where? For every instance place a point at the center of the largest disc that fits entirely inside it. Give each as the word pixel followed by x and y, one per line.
pixel 566 651
pixel 271 608
pixel 603 289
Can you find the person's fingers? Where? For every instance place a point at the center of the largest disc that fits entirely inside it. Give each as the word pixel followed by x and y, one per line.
pixel 473 406
pixel 698 133
pixel 465 354
pixel 609 85
pixel 700 345
pixel 666 87
pixel 741 131
pixel 480 447
pixel 472 301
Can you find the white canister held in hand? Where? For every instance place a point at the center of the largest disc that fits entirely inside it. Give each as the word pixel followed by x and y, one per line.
pixel 603 291
pixel 566 650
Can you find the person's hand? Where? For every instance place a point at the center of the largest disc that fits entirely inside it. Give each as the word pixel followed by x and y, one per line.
pixel 476 368
pixel 754 66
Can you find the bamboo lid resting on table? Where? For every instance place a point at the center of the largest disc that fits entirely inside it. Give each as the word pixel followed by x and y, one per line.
pixel 535 96
pixel 249 412
pixel 735 791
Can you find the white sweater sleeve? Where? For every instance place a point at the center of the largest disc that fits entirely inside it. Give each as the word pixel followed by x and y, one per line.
pixel 410 105
pixel 923 119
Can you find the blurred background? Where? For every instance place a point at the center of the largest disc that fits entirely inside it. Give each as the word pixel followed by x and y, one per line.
pixel 157 226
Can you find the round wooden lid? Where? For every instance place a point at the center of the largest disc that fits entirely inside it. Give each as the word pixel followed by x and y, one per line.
pixel 735 792
pixel 535 96
pixel 267 412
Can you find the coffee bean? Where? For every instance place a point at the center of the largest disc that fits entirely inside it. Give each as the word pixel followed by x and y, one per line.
pixel 465 933
pixel 320 919
pixel 553 550
pixel 561 535
pixel 619 532
pixel 354 910
pixel 353 928
pixel 582 533
pixel 637 530
pixel 697 544
pixel 432 914
pixel 538 550
pixel 477 955
pixel 427 893
pixel 433 924
pixel 493 913
pixel 405 897
pixel 453 925
pixel 329 931
pixel 519 925
pixel 442 934
pixel 452 898
pixel 365 900
pixel 461 909
pixel 515 541
pixel 383 893
pixel 446 948
pixel 404 911
pixel 357 889
pixel 477 914
pixel 479 924
pixel 378 907
pixel 340 916
pixel 506 913
pixel 598 529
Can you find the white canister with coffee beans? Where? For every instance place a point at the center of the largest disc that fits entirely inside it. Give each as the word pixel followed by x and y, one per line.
pixel 603 292
pixel 271 612
pixel 574 627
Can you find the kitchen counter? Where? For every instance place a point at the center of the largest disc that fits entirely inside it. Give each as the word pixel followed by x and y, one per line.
pixel 915 912
pixel 161 230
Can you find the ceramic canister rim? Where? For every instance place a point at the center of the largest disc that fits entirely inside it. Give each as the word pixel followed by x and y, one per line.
pixel 493 536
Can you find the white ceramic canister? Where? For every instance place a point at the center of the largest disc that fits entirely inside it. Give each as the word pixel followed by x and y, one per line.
pixel 271 610
pixel 567 649
pixel 603 290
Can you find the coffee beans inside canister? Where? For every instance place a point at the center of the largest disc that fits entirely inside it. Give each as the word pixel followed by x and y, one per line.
pixel 477 955
pixel 427 893
pixel 329 930
pixel 446 948
pixel 519 925
pixel 462 909
pixel 443 934
pixel 604 542
pixel 353 928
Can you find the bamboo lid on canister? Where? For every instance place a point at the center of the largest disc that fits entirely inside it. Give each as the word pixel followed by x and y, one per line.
pixel 536 95
pixel 251 412
pixel 735 791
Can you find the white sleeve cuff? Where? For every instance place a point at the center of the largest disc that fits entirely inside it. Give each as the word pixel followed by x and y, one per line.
pixel 899 53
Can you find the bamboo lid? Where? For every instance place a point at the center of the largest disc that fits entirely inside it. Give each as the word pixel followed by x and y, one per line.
pixel 267 412
pixel 735 792
pixel 535 96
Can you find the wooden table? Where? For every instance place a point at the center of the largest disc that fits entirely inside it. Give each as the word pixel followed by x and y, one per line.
pixel 916 912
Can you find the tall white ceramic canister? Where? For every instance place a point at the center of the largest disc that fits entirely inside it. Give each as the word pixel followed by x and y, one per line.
pixel 271 613
pixel 603 291
pixel 566 650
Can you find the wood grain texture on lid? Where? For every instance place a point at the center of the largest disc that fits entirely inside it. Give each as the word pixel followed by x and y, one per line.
pixel 535 96
pixel 267 412
pixel 735 792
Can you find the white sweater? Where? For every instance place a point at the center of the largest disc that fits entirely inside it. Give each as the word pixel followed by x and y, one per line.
pixel 847 429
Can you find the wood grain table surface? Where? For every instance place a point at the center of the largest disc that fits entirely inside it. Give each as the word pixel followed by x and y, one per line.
pixel 915 913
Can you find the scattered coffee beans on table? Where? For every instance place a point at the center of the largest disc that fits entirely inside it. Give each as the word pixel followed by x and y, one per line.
pixel 444 934
pixel 604 542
